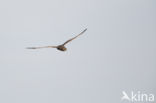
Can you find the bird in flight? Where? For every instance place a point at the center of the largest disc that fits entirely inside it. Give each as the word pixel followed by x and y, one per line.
pixel 59 47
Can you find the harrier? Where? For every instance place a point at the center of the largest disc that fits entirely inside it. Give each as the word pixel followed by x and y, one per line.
pixel 59 47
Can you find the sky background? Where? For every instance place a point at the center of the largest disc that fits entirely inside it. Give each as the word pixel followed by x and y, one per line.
pixel 116 53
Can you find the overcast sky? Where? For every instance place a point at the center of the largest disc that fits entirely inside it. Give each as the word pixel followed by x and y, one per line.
pixel 116 53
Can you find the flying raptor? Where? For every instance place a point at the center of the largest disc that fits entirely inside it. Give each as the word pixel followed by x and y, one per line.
pixel 59 47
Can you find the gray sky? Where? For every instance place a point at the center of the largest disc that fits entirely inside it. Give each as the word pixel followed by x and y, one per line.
pixel 116 53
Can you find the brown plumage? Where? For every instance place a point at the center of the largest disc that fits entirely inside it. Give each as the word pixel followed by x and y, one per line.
pixel 59 47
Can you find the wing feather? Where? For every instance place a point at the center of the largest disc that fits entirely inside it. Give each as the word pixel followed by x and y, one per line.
pixel 74 37
pixel 41 47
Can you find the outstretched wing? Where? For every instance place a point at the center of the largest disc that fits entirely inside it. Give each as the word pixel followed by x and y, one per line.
pixel 41 47
pixel 74 37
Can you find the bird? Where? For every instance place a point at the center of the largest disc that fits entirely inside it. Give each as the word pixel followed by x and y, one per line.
pixel 59 47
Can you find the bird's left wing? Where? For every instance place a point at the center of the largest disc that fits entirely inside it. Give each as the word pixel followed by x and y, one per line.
pixel 41 47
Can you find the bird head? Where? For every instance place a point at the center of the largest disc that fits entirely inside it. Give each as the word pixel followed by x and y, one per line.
pixel 64 49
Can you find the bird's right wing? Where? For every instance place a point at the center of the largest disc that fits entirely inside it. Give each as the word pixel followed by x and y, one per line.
pixel 41 47
pixel 74 37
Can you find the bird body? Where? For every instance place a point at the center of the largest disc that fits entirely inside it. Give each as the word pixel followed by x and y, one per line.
pixel 59 47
